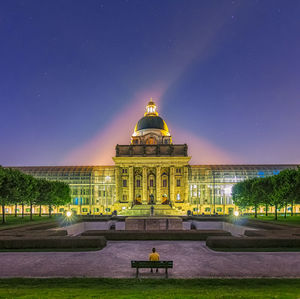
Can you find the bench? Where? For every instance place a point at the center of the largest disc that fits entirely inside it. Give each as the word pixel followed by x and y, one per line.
pixel 151 264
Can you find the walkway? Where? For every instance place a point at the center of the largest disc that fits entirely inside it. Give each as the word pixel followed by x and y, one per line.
pixel 191 259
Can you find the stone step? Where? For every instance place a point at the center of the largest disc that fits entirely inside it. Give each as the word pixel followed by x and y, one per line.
pixel 157 212
pixel 148 207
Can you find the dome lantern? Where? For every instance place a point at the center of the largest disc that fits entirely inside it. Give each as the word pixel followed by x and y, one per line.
pixel 151 108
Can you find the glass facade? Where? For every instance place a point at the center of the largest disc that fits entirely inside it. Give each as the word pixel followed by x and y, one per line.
pixel 93 188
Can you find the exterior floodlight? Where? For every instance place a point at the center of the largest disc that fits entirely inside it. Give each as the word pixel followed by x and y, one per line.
pixel 236 213
pixel 69 214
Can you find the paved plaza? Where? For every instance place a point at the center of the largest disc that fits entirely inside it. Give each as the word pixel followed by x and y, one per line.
pixel 191 259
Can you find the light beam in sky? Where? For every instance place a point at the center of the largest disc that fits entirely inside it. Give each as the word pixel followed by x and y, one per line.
pixel 101 148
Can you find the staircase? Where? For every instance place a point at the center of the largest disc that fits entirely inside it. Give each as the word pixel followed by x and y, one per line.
pixel 144 210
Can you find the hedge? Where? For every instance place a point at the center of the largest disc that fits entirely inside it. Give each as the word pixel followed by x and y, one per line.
pixel 255 242
pixel 28 233
pixel 51 242
pixel 156 235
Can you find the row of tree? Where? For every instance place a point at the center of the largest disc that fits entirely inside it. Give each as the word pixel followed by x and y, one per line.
pixel 277 191
pixel 18 188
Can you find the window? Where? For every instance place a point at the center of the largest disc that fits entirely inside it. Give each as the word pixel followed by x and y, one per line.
pixel 178 183
pixel 124 197
pixel 219 209
pixel 207 209
pixel 96 210
pixel 124 170
pixel 84 210
pixel 151 183
pixel 178 170
pixel 178 196
pixel 124 183
pixel 61 210
pixel 138 183
pixel 166 141
pixel 165 183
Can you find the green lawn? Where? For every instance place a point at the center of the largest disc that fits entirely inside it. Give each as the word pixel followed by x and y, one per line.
pixel 12 221
pixel 149 288
pixel 293 220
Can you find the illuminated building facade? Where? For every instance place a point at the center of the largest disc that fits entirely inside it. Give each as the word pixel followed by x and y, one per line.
pixel 151 170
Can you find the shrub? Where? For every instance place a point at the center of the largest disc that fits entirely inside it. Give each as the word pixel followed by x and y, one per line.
pixel 255 242
pixel 51 242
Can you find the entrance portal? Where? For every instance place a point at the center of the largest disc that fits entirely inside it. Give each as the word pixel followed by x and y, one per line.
pixel 151 199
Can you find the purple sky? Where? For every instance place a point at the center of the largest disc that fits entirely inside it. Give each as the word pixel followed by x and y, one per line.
pixel 75 77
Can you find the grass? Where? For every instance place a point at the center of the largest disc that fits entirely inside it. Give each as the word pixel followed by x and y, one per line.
pixel 149 288
pixel 12 221
pixel 289 220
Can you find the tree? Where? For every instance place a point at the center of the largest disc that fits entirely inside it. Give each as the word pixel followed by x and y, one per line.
pixel 7 189
pixel 244 194
pixel 284 188
pixel 31 192
pixel 262 188
pixel 240 195
pixel 62 193
pixel 45 196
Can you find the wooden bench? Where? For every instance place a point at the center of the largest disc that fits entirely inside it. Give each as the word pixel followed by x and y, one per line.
pixel 151 264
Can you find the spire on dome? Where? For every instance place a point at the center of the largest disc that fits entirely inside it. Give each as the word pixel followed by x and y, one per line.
pixel 151 109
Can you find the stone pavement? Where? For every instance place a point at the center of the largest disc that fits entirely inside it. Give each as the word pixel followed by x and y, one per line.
pixel 191 259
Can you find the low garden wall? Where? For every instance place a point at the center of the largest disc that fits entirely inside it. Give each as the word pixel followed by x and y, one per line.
pixel 157 235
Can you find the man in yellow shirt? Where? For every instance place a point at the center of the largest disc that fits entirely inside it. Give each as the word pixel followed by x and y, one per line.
pixel 154 256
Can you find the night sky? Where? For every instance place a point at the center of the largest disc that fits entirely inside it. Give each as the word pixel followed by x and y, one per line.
pixel 75 77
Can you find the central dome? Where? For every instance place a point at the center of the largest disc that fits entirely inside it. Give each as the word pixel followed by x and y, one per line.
pixel 151 128
pixel 151 122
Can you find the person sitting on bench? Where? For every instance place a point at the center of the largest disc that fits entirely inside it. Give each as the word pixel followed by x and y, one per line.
pixel 154 256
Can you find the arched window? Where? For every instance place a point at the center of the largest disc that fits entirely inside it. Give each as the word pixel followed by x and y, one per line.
pixel 178 196
pixel 164 181
pixel 151 141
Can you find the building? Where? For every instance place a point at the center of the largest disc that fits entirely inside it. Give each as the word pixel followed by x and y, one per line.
pixel 152 170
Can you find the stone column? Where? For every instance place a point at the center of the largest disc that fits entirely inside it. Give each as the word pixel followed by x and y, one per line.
pixel 117 178
pixel 186 184
pixel 130 185
pixel 158 185
pixel 144 197
pixel 172 185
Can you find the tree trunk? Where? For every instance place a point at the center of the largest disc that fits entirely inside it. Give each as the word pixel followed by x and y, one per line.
pixel 285 208
pixel 255 208
pixel 30 211
pixel 276 212
pixel 292 212
pixel 40 211
pixel 3 213
pixel 267 210
pixel 22 210
pixel 50 215
pixel 16 208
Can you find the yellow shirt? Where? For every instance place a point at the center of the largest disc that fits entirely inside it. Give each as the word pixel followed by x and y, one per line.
pixel 154 256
